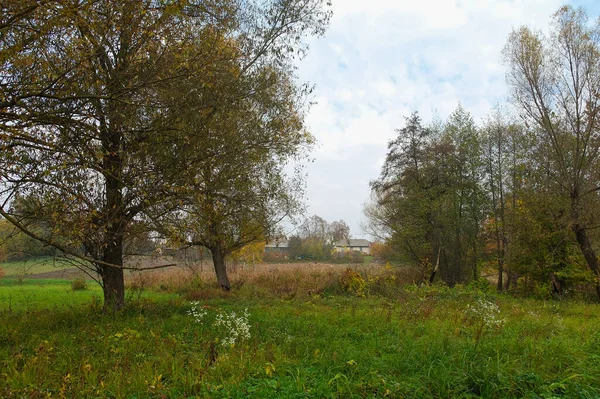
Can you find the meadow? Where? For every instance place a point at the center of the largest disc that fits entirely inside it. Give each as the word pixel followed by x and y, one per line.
pixel 22 269
pixel 307 331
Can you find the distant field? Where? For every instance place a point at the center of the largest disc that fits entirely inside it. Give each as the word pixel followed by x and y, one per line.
pixel 34 266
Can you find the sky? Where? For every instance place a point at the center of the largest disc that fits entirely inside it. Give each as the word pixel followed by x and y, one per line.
pixel 381 60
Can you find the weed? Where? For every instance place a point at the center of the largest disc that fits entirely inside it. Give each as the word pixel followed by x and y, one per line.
pixel 79 284
pixel 483 316
pixel 353 283
pixel 235 327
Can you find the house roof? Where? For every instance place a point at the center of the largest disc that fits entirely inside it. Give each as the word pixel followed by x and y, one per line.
pixel 278 244
pixel 353 242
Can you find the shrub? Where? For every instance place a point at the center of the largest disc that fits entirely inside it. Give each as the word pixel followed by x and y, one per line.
pixel 78 284
pixel 2 274
pixel 275 257
pixel 353 283
pixel 355 257
pixel 481 285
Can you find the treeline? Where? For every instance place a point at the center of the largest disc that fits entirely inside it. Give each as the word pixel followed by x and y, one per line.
pixel 16 246
pixel 467 199
pixel 516 196
pixel 315 240
pixel 478 201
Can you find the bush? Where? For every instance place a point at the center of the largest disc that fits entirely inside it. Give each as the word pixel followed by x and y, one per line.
pixel 355 257
pixel 2 274
pixel 481 285
pixel 353 283
pixel 275 257
pixel 79 284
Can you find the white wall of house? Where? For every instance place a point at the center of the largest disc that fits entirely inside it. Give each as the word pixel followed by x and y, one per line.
pixel 364 250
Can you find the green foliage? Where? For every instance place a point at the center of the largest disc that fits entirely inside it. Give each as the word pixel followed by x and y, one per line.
pixel 562 134
pixel 192 110
pixel 430 196
pixel 79 284
pixel 480 202
pixel 481 285
pixel 17 246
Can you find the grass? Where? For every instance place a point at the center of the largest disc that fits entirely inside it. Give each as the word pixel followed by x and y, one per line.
pixel 16 295
pixel 431 342
pixel 34 266
pixel 41 295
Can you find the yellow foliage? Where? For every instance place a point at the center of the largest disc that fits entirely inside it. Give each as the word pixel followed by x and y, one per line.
pixel 251 253
pixel 352 282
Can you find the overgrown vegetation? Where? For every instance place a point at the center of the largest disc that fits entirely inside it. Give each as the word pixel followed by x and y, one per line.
pixel 364 333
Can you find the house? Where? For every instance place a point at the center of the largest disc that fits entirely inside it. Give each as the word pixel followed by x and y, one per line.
pixel 278 247
pixel 353 244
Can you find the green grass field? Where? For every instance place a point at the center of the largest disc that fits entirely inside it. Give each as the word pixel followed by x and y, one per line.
pixel 39 295
pixel 417 343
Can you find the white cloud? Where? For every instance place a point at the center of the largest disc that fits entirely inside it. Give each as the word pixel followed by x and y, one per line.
pixel 382 60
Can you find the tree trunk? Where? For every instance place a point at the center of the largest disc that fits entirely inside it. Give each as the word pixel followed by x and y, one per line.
pixel 113 281
pixel 557 284
pixel 588 252
pixel 113 286
pixel 475 273
pixel 500 283
pixel 220 268
pixel 114 215
pixel 437 265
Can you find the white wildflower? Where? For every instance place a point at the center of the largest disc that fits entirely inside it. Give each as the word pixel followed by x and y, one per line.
pixel 486 311
pixel 236 326
pixel 197 314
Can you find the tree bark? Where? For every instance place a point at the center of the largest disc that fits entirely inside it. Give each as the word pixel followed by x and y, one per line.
pixel 113 281
pixel 437 265
pixel 588 252
pixel 220 268
pixel 114 215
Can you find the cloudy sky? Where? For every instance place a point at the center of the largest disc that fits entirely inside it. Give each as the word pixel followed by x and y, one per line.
pixel 380 60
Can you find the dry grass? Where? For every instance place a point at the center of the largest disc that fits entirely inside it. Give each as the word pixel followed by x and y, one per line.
pixel 276 280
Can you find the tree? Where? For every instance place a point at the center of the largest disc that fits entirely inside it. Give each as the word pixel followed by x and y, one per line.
pixel 295 245
pixel 464 189
pixel 229 187
pixel 86 101
pixel 429 197
pixel 338 230
pixel 239 198
pixel 406 194
pixel 315 228
pixel 554 83
pixel 80 116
